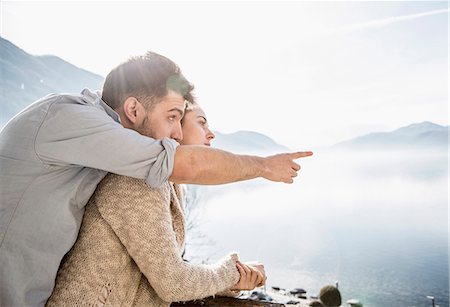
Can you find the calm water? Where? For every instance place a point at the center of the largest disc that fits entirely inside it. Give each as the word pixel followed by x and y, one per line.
pixel 377 223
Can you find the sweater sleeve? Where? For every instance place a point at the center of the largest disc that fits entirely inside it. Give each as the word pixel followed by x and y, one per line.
pixel 141 218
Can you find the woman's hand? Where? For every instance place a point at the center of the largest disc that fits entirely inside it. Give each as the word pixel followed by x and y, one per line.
pixel 252 276
pixel 260 268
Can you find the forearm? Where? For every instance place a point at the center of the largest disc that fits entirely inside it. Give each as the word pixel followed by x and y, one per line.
pixel 204 165
pixel 185 281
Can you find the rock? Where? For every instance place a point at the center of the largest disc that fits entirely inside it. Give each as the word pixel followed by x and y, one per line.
pixel 297 291
pixel 330 296
pixel 354 303
pixel 258 295
pixel 316 303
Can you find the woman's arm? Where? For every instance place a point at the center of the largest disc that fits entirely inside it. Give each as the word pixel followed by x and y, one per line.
pixel 141 218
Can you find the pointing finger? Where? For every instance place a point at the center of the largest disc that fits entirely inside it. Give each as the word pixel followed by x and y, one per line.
pixel 301 154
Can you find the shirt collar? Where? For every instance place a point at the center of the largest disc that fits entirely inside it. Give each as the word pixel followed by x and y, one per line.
pixel 95 97
pixel 108 109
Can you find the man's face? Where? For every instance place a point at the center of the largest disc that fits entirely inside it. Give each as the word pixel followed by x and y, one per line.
pixel 164 118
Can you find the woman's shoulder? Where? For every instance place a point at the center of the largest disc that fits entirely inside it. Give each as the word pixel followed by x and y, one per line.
pixel 120 182
pixel 117 188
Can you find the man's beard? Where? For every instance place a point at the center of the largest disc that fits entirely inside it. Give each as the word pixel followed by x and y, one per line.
pixel 145 129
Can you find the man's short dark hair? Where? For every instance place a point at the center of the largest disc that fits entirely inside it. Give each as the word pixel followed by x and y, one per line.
pixel 148 78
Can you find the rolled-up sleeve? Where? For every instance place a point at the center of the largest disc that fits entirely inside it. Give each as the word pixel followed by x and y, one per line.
pixel 86 136
pixel 161 170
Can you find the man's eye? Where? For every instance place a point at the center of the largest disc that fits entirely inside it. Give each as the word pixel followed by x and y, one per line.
pixel 172 118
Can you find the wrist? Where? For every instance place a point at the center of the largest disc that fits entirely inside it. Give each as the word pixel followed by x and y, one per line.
pixel 262 167
pixel 255 166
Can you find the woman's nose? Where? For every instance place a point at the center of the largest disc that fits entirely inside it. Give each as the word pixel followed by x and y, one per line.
pixel 210 135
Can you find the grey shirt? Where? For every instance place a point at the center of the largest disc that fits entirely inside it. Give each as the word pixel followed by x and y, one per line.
pixel 52 156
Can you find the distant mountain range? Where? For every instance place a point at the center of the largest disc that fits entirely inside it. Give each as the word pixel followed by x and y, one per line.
pixel 418 135
pixel 26 78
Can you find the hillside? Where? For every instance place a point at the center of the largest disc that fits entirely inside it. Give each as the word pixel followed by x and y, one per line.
pixel 418 135
pixel 26 78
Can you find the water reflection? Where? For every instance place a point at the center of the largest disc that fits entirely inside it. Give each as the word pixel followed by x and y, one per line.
pixel 376 222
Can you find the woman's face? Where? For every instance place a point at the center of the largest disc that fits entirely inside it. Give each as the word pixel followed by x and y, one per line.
pixel 195 128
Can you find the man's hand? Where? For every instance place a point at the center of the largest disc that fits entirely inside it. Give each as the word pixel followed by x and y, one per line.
pixel 282 168
pixel 252 276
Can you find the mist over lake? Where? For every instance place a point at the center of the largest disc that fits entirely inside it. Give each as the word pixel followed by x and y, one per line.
pixel 375 221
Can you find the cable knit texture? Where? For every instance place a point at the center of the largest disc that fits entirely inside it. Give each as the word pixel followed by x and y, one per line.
pixel 129 248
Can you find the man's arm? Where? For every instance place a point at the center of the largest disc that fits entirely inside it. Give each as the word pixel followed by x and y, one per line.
pixel 75 134
pixel 204 165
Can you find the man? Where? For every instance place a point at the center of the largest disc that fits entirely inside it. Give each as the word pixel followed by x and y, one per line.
pixel 55 152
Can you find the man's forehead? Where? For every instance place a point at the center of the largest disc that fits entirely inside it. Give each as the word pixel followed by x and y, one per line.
pixel 172 102
pixel 174 99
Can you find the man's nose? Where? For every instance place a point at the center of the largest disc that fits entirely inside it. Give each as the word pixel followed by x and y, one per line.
pixel 177 133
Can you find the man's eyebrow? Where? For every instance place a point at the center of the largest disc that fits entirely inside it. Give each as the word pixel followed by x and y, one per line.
pixel 177 110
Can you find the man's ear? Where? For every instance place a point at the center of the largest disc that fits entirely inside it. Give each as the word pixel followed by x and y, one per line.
pixel 131 110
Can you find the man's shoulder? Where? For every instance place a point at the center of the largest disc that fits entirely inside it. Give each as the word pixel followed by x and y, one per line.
pixel 64 104
pixel 67 98
pixel 75 110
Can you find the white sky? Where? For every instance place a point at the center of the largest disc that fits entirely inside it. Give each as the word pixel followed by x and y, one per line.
pixel 304 73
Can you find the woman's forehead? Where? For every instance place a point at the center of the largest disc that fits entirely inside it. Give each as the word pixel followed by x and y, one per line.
pixel 199 111
pixel 195 110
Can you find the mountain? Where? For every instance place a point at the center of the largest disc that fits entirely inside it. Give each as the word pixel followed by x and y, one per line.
pixel 26 78
pixel 418 135
pixel 247 142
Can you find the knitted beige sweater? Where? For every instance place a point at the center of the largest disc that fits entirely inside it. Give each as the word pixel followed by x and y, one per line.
pixel 128 252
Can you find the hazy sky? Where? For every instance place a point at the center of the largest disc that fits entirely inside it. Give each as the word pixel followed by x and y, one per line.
pixel 304 73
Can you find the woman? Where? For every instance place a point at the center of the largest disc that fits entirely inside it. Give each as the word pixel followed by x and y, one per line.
pixel 129 249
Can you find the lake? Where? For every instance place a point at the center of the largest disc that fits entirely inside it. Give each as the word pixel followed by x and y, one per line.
pixel 376 222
